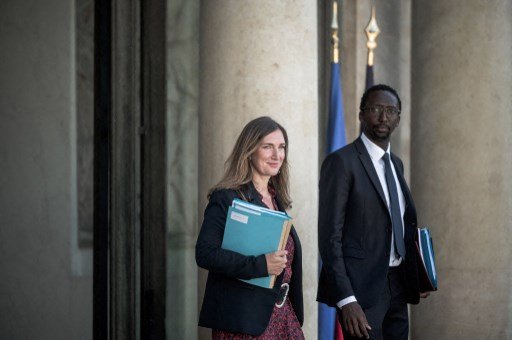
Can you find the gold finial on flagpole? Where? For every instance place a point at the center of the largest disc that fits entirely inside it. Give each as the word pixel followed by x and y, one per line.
pixel 372 31
pixel 334 26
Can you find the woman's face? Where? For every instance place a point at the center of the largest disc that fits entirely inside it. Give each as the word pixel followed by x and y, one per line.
pixel 269 156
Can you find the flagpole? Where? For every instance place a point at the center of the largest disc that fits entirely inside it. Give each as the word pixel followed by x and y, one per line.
pixel 328 326
pixel 372 32
pixel 335 40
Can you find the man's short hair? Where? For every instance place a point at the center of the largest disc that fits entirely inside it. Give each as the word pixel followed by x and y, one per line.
pixel 379 87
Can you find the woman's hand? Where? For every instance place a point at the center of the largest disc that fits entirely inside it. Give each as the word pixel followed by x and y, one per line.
pixel 276 262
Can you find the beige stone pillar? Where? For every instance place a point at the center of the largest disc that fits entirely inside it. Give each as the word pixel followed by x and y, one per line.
pixel 392 61
pixel 461 164
pixel 182 87
pixel 260 58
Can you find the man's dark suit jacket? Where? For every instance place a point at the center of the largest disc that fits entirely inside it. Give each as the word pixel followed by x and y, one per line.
pixel 230 304
pixel 354 229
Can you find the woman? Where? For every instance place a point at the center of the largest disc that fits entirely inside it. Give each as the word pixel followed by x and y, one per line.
pixel 257 172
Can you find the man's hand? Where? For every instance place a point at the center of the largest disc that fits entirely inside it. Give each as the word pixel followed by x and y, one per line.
pixel 354 320
pixel 424 295
pixel 276 262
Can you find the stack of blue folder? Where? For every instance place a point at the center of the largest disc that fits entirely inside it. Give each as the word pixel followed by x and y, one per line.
pixel 254 230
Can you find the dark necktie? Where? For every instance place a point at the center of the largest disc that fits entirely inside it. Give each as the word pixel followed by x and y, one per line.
pixel 396 216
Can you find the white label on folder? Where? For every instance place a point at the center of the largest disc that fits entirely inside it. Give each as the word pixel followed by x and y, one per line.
pixel 239 217
pixel 249 211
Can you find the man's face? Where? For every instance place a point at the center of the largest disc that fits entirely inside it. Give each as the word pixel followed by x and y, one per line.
pixel 380 116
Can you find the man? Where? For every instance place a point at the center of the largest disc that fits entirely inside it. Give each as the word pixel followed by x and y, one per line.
pixel 367 223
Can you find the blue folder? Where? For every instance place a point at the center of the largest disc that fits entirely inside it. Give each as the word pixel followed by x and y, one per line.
pixel 254 230
pixel 427 266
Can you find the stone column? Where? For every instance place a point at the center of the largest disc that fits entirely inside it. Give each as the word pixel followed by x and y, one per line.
pixel 182 69
pixel 260 58
pixel 461 164
pixel 392 61
pixel 393 66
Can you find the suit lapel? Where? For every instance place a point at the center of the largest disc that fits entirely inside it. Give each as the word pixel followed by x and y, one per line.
pixel 251 195
pixel 364 156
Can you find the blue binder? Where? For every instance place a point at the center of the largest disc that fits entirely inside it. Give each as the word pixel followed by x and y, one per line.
pixel 254 230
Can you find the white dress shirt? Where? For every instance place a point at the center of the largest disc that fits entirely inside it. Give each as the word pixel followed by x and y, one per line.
pixel 376 153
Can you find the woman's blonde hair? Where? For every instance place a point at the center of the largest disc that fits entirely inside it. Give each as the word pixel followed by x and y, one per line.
pixel 238 167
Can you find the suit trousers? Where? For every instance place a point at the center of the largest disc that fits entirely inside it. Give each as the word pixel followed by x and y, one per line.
pixel 389 318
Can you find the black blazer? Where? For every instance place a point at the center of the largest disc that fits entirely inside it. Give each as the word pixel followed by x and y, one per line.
pixel 230 304
pixel 354 229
